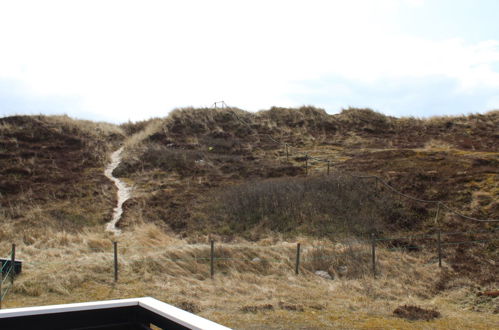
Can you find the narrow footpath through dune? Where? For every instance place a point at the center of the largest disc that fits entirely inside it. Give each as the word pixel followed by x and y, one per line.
pixel 124 192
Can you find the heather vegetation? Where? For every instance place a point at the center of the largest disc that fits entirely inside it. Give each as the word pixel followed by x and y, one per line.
pixel 322 206
pixel 51 172
pixel 258 183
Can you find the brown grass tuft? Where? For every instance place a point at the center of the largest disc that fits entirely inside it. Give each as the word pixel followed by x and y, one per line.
pixel 415 313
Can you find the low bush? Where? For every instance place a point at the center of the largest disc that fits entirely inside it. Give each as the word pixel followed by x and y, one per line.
pixel 323 206
pixel 413 313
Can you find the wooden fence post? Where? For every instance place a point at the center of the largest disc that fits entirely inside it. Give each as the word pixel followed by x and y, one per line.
pixel 115 245
pixel 373 243
pixel 297 265
pixel 439 249
pixel 437 214
pixel 328 167
pixel 287 153
pixel 212 257
pixel 439 239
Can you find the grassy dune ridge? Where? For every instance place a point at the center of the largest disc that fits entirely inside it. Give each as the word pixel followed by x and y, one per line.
pixel 202 174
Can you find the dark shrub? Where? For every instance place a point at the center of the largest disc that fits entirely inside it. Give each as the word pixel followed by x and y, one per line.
pixel 322 206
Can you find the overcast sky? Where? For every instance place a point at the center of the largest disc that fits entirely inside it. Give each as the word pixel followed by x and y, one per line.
pixel 131 60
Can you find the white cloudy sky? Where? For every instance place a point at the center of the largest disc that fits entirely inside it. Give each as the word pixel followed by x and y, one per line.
pixel 130 60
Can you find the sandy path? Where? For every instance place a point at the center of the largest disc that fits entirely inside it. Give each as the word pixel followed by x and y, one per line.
pixel 124 192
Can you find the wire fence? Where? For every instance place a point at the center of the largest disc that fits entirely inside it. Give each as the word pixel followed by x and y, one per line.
pixel 292 256
pixel 208 259
pixel 7 273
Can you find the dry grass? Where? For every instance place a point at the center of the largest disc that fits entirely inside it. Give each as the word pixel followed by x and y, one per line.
pixel 254 285
pixel 78 126
pixel 99 137
pixel 51 173
pixel 435 144
pixel 68 258
pixel 151 127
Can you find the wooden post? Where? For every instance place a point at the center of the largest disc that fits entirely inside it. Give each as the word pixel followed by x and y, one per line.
pixel 439 249
pixel 12 263
pixel 297 266
pixel 437 214
pixel 439 240
pixel 212 257
pixel 306 165
pixel 373 240
pixel 328 167
pixel 115 245
pixel 287 153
